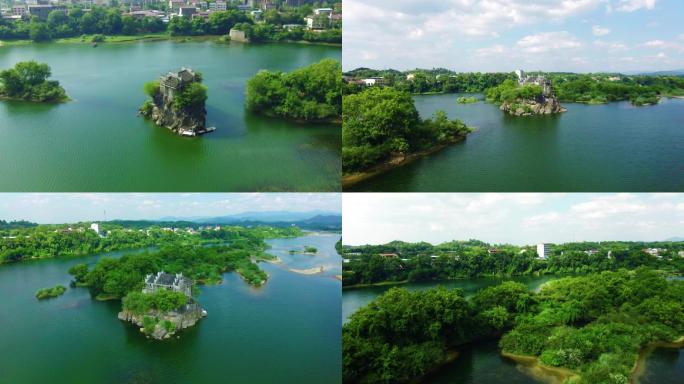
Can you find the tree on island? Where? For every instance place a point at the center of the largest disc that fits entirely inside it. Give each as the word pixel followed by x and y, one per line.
pixel 312 93
pixel 28 80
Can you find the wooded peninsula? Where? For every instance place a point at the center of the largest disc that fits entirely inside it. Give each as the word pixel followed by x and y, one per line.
pixel 591 328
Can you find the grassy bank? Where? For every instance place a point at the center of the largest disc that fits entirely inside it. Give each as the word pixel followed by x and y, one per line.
pixel 350 179
pixel 87 39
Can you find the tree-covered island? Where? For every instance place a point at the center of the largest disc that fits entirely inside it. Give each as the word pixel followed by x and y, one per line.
pixel 588 329
pixel 177 102
pixel 309 94
pixel 28 81
pixel 530 95
pixel 157 287
pixel 381 130
pixel 48 293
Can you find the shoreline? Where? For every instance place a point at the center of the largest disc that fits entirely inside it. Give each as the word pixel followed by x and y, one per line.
pixel 351 179
pixel 639 367
pixel 309 271
pixel 151 37
pixel 539 371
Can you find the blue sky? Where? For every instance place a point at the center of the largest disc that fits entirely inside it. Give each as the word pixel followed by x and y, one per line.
pixel 510 217
pixel 503 35
pixel 73 207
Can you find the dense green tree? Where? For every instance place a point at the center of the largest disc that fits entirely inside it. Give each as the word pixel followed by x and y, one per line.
pixel 28 80
pixel 312 93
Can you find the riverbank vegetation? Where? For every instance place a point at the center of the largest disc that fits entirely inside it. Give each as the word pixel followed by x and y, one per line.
pixel 286 23
pixel 28 81
pixel 382 125
pixel 48 293
pixel 74 240
pixel 400 261
pixel 593 88
pixel 312 93
pixel 593 325
pixel 599 88
pixel 426 81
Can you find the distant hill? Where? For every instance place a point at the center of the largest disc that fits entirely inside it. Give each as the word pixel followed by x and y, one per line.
pixel 312 220
pixel 266 217
pixel 675 72
pixel 676 238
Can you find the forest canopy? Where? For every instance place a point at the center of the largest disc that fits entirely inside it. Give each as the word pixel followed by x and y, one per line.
pixel 312 93
pixel 28 81
pixel 594 325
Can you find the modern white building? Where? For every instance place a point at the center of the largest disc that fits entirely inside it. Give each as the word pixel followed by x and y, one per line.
pixel 543 250
pixel 95 227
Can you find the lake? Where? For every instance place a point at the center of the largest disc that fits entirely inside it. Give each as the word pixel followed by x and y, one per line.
pixel 613 147
pixel 97 142
pixel 286 331
pixel 482 362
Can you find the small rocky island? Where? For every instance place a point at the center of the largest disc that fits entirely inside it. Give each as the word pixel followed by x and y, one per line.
pixel 163 307
pixel 177 102
pixel 532 95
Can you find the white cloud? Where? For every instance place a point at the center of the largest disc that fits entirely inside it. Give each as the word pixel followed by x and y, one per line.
pixel 654 43
pixel 610 46
pixel 606 206
pixel 635 5
pixel 374 218
pixel 548 41
pixel 542 219
pixel 597 30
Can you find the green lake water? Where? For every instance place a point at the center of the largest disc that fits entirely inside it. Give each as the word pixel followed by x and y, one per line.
pixel 613 147
pixel 286 331
pixel 97 142
pixel 482 362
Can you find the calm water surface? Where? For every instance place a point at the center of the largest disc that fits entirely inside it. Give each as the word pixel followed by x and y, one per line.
pixel 286 331
pixel 98 143
pixel 613 147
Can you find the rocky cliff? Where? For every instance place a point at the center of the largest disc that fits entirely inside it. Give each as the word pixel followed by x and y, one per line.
pixel 528 107
pixel 162 325
pixel 177 103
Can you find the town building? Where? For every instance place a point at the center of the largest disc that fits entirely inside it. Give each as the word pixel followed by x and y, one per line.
pixel 373 81
pixel 96 227
pixel 174 5
pixel 41 11
pixel 218 6
pixel 168 281
pixel 19 10
pixel 185 11
pixel 543 250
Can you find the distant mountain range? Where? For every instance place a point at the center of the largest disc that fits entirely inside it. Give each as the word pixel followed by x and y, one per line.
pixel 674 72
pixel 675 238
pixel 315 220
